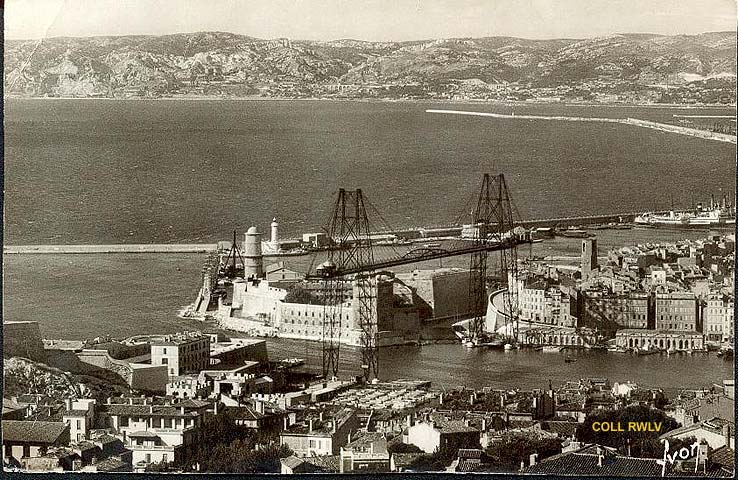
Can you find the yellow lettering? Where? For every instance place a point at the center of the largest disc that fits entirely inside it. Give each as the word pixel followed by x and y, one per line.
pixel 631 426
pixel 657 426
pixel 596 427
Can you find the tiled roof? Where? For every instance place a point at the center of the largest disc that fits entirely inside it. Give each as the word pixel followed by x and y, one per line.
pixel 244 413
pixel 470 453
pixel 75 413
pixel 32 432
pixel 405 459
pixel 110 464
pixel 724 456
pixel 147 410
pixel 365 439
pixel 291 462
pixel 562 428
pixel 327 463
pixel 714 425
pixel 575 463
pixel 143 434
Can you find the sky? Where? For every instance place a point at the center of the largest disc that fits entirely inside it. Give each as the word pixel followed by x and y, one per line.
pixel 374 20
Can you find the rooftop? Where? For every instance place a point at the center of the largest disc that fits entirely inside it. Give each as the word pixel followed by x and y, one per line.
pixel 32 431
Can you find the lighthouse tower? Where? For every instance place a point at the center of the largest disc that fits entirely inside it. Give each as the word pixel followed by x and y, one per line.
pixel 275 234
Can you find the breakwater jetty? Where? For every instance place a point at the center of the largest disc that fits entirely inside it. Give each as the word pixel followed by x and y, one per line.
pixel 117 248
pixel 664 127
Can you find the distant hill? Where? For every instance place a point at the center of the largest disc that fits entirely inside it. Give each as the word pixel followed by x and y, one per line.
pixel 102 66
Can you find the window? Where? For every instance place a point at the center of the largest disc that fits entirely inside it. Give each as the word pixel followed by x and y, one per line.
pixel 164 361
pixel 164 458
pixel 165 350
pixel 79 424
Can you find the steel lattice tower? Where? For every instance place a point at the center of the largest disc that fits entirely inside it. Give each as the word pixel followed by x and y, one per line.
pixel 493 221
pixel 352 248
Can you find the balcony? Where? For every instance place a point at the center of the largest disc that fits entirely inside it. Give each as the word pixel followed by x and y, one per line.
pixel 161 448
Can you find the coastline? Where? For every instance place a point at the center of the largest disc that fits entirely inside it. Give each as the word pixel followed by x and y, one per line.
pixel 385 100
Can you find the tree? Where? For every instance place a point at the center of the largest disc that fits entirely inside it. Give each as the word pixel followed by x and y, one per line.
pixel 514 448
pixel 639 441
pixel 403 448
pixel 297 294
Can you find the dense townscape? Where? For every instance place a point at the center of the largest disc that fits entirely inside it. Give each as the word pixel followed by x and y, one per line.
pixel 207 402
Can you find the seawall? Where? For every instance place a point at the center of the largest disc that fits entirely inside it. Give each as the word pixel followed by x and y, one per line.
pixel 721 137
pixel 118 248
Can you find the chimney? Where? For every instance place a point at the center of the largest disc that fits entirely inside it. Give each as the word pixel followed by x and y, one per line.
pixel 215 407
pixel 151 409
pixel 409 420
pixel 702 457
pixel 310 425
pixel 600 456
pixel 484 424
pixel 285 423
pixel 68 403
pixel 260 407
pixel 320 416
pixel 533 459
pixel 181 410
pixel 727 434
pixel 440 399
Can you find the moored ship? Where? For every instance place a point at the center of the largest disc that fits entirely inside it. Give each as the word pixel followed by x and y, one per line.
pixel 717 215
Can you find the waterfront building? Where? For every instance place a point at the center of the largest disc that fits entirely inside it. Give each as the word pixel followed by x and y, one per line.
pixel 235 352
pixel 719 316
pixel 277 272
pixel 646 339
pixel 608 311
pixel 540 300
pixel 441 293
pixel 182 353
pixel 677 311
pixel 321 432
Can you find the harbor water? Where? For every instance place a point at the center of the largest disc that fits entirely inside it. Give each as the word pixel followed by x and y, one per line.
pixel 105 172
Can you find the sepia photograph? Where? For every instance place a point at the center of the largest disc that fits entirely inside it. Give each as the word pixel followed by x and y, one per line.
pixel 369 237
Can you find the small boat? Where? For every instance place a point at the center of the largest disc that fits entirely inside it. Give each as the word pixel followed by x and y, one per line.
pixel 293 362
pixel 726 353
pixel 617 350
pixel 647 351
pixel 508 347
pixel 572 232
pixel 551 349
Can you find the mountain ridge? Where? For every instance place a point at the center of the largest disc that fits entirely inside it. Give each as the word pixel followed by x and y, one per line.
pixel 236 64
